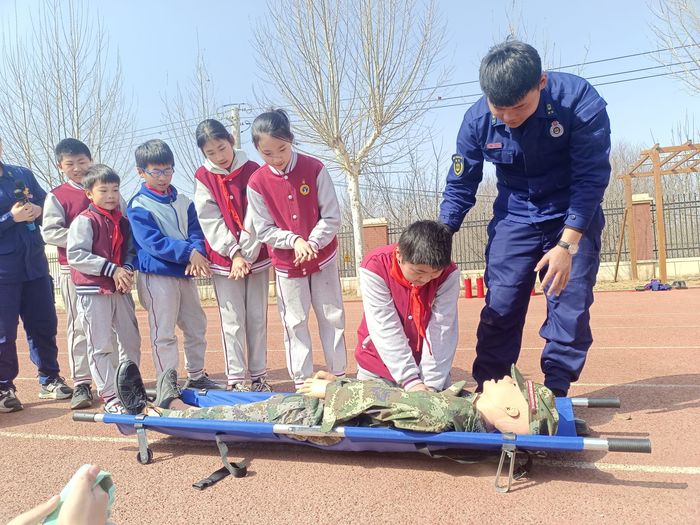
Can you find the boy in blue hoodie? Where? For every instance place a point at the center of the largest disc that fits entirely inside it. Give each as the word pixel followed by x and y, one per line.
pixel 169 251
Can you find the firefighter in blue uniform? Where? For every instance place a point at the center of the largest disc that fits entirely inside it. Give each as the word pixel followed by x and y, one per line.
pixel 548 135
pixel 26 288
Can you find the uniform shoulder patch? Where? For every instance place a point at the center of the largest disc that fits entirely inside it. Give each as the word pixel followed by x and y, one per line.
pixel 457 164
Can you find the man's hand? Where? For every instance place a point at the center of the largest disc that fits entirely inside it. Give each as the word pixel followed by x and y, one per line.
pixel 239 267
pixel 314 387
pixel 24 212
pixel 418 387
pixel 86 504
pixel 198 266
pixel 123 279
pixel 558 260
pixel 303 252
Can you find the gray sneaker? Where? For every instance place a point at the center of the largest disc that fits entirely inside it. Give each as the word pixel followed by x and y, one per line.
pixel 167 389
pixel 55 389
pixel 203 383
pixel 82 397
pixel 9 401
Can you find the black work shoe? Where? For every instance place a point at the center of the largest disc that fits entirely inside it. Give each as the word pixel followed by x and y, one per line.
pixel 130 388
pixel 582 428
pixel 82 397
pixel 167 389
pixel 559 393
pixel 8 400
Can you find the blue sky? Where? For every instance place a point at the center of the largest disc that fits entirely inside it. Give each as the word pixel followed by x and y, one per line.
pixel 157 43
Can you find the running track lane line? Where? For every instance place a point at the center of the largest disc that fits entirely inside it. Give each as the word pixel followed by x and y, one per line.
pixel 584 465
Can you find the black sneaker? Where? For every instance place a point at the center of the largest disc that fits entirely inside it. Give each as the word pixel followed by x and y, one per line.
pixel 82 397
pixel 9 401
pixel 56 388
pixel 167 389
pixel 130 388
pixel 203 383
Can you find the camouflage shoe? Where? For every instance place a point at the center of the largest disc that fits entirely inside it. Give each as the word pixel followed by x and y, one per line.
pixel 9 401
pixel 56 388
pixel 260 385
pixel 238 387
pixel 203 383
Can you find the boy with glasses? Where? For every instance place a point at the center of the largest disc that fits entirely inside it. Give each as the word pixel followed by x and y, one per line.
pixel 170 251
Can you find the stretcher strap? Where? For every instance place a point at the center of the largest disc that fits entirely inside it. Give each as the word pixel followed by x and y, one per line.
pixel 237 470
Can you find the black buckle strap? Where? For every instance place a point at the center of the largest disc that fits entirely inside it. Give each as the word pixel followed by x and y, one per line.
pixel 237 470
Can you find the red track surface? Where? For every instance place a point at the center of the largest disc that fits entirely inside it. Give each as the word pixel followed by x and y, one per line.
pixel 646 351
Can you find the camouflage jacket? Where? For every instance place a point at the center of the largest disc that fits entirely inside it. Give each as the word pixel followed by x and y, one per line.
pixel 357 403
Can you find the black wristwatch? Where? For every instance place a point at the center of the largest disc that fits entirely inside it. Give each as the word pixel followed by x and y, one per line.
pixel 571 247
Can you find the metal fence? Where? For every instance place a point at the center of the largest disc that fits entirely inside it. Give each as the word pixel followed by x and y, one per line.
pixel 681 218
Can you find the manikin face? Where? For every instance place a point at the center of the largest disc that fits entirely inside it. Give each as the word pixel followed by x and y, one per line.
pixel 275 152
pixel 515 115
pixel 417 274
pixel 105 195
pixel 75 166
pixel 219 152
pixel 503 406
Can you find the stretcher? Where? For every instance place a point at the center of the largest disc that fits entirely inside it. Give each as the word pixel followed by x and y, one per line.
pixel 353 438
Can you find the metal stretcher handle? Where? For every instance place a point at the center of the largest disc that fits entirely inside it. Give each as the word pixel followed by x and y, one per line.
pixel 596 402
pixel 629 445
pixel 87 417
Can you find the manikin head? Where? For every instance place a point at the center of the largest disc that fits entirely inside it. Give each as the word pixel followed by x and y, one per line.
pixel 514 405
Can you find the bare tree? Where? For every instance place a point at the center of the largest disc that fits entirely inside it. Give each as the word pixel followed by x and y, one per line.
pixel 355 72
pixel 59 80
pixel 676 26
pixel 183 111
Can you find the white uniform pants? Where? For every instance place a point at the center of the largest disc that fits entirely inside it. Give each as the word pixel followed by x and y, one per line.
pixel 295 296
pixel 101 316
pixel 243 311
pixel 171 302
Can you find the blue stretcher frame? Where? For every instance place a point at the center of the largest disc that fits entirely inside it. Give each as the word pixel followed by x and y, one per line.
pixel 378 439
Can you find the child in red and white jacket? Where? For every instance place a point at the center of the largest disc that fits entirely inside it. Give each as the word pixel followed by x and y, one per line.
pixel 408 333
pixel 295 211
pixel 100 254
pixel 239 262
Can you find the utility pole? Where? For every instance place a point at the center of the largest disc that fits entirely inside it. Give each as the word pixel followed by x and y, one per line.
pixel 236 123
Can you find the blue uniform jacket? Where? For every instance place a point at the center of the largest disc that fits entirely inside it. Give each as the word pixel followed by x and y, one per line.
pixel 22 256
pixel 165 231
pixel 555 165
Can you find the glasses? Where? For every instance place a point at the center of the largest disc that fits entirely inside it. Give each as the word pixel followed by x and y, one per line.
pixel 168 172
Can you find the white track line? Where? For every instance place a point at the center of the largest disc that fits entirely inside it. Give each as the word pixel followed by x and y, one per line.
pixel 584 465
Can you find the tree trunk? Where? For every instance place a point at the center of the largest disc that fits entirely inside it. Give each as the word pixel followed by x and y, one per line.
pixel 353 178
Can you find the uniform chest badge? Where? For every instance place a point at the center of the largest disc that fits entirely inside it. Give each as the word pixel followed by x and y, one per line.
pixel 556 129
pixel 458 164
pixel 304 189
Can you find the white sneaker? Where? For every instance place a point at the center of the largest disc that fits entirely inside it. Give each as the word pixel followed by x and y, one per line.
pixel 114 406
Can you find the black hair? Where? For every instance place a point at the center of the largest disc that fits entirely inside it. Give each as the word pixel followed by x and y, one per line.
pixel 211 129
pixel 100 174
pixel 71 147
pixel 274 123
pixel 154 151
pixel 509 71
pixel 426 242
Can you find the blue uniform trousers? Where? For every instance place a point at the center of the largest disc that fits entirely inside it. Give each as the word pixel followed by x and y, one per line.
pixel 512 252
pixel 32 301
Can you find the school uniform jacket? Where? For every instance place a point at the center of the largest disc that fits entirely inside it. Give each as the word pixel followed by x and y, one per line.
pixel 301 202
pixel 89 251
pixel 165 231
pixel 223 235
pixel 22 256
pixel 388 342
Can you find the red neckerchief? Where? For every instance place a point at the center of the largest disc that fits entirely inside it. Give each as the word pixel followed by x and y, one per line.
pixel 416 306
pixel 114 216
pixel 227 195
pixel 158 192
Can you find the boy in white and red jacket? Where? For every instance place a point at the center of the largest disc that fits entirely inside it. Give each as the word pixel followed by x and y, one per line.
pixel 295 211
pixel 101 255
pixel 408 333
